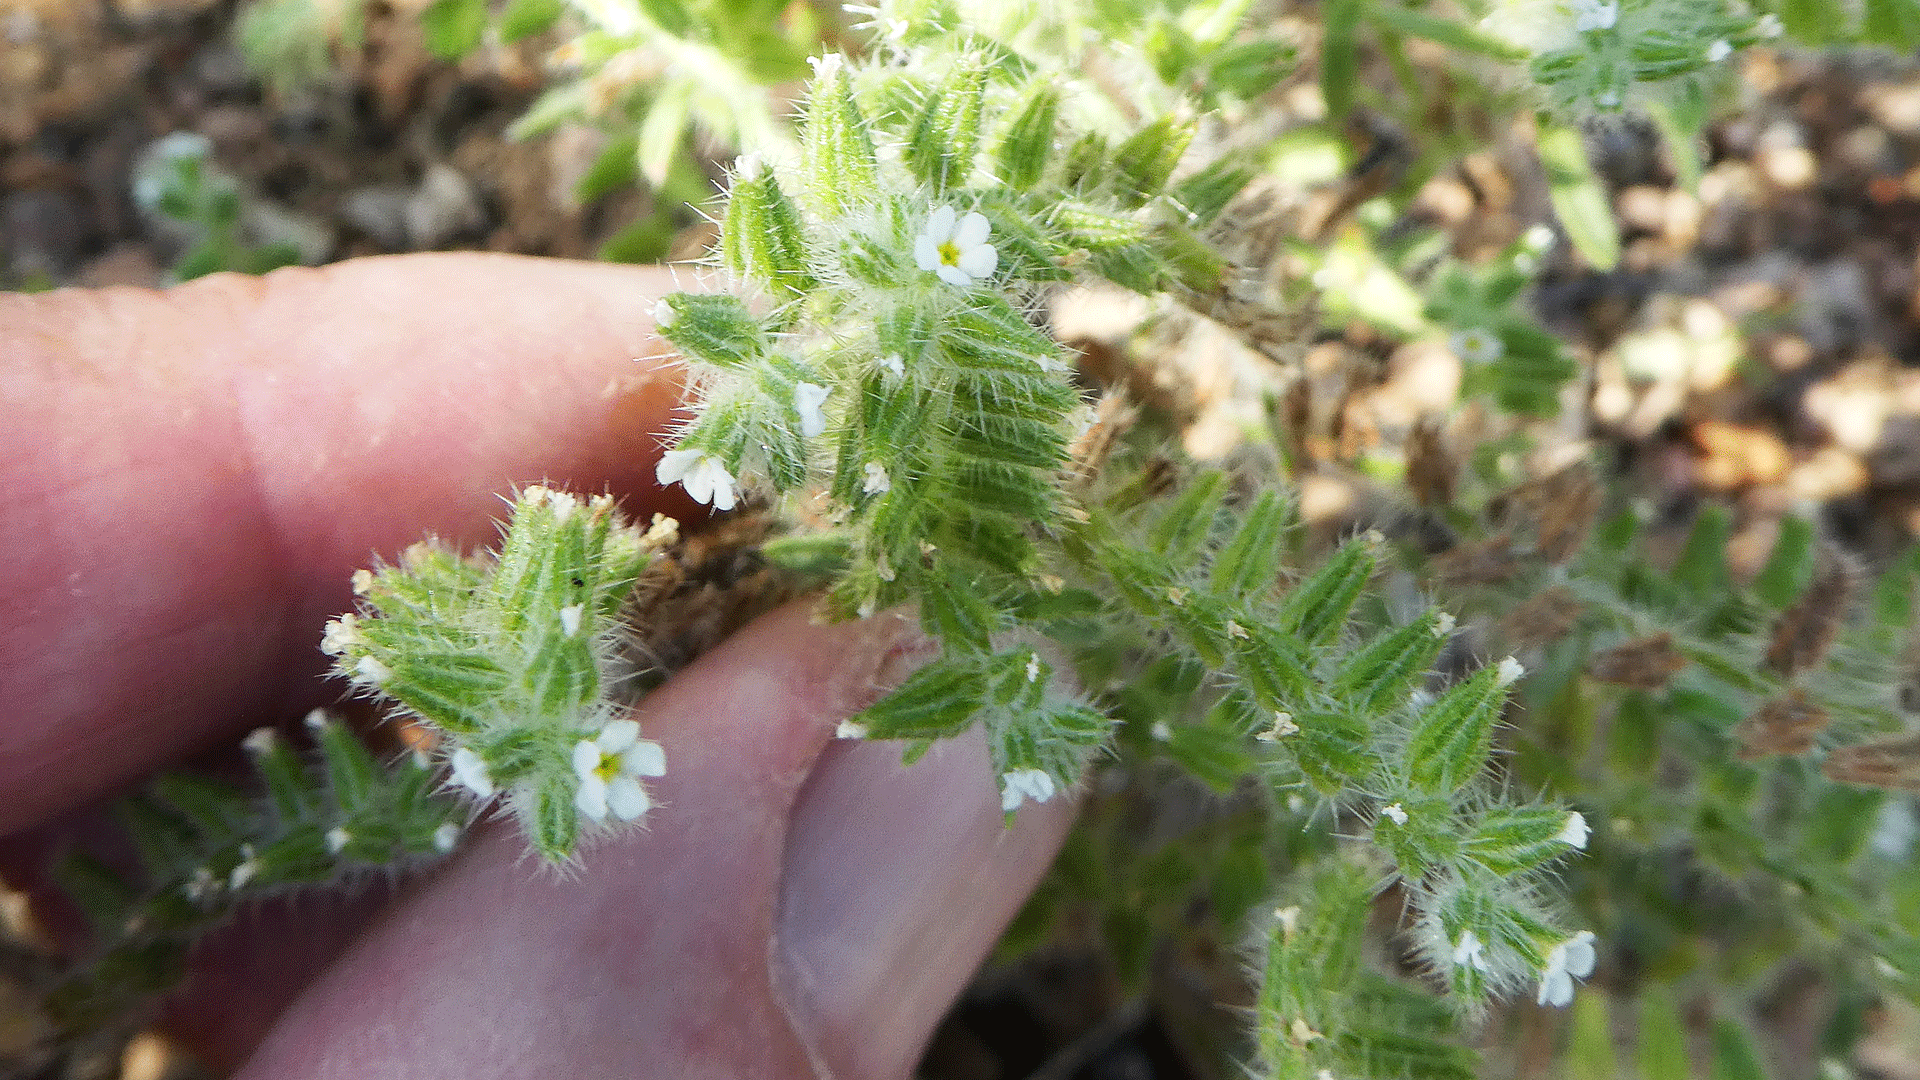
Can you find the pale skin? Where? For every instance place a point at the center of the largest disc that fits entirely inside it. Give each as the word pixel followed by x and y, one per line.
pixel 194 476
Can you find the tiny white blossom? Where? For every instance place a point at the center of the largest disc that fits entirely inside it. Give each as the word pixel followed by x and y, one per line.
pixel 337 840
pixel 663 314
pixel 1033 668
pixel 1770 26
pixel 1396 813
pixel 1022 784
pixel 877 482
pixel 825 67
pixel 1477 346
pixel 1571 959
pixel 1608 99
pixel 248 869
pixel 705 477
pixel 610 766
pixel 893 365
pixel 1161 732
pixel 1469 951
pixel 261 741
pixel 1591 15
pixel 570 618
pixel 1283 726
pixel 371 670
pixel 316 720
pixel 445 837
pixel 1719 51
pixel 1443 624
pixel 470 772
pixel 850 729
pixel 1289 919
pixel 956 247
pixel 1575 831
pixel 1539 239
pixel 202 885
pixel 747 167
pixel 342 633
pixel 807 399
pixel 1509 672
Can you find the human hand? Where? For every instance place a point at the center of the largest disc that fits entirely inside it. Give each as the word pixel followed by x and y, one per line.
pixel 196 474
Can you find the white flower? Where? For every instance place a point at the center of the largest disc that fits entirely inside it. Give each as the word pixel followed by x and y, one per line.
pixel 1509 672
pixel 1476 346
pixel 1396 813
pixel 570 618
pixel 1595 15
pixel 807 399
pixel 470 772
pixel 957 251
pixel 893 365
pixel 1283 726
pixel 850 729
pixel 826 67
pixel 1575 831
pixel 373 671
pixel 262 740
pixel 445 837
pixel 337 840
pixel 1539 239
pixel 610 766
pixel 1444 624
pixel 248 869
pixel 342 633
pixel 1469 951
pixel 663 314
pixel 747 167
pixel 1719 51
pixel 1161 731
pixel 705 476
pixel 1770 26
pixel 877 481
pixel 1571 959
pixel 1289 919
pixel 1020 785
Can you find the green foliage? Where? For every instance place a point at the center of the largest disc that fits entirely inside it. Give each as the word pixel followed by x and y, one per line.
pixel 206 848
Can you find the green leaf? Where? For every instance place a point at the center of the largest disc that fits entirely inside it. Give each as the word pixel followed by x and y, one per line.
pixel 1578 197
pixel 1451 32
pixel 1734 1055
pixel 1249 562
pixel 660 132
pixel 1702 567
pixel 1790 566
pixel 647 240
pixel 935 702
pixel 1144 162
pixel 1662 1053
pixel 525 18
pixel 1451 739
pixel 1590 1045
pixel 1217 757
pixel 453 28
pixel 1379 677
pixel 1895 23
pixel 616 167
pixel 1340 54
pixel 1510 840
pixel 1027 143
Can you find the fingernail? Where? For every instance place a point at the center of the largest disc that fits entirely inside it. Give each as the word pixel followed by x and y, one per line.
pixel 897 881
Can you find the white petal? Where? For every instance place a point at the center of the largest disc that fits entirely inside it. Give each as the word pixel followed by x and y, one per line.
pixel 570 618
pixel 972 231
pixel 893 364
pixel 1580 955
pixel 926 252
pixel 627 799
pixel 807 399
pixel 979 260
pixel 1575 831
pixel 1556 989
pixel 953 275
pixel 940 224
pixel 699 480
pixel 1010 798
pixel 591 799
pixel 876 481
pixel 720 484
pixel 470 772
pixel 1396 812
pixel 618 735
pixel 674 466
pixel 445 837
pixel 586 758
pixel 663 314
pixel 645 758
pixel 337 840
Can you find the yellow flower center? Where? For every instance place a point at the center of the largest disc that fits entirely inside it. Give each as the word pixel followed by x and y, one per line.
pixel 609 767
pixel 950 253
